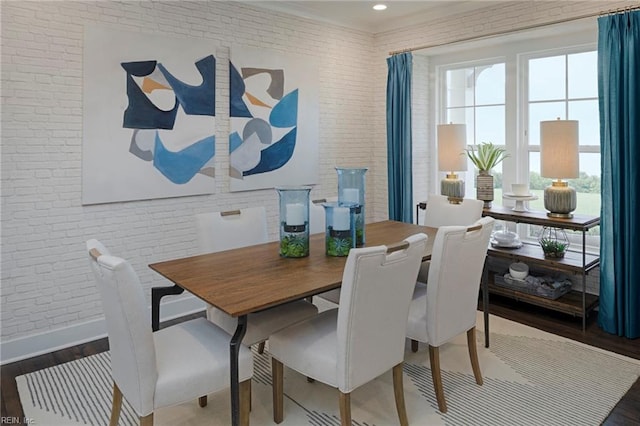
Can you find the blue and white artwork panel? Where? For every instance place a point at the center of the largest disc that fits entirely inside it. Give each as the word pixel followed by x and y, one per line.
pixel 273 104
pixel 148 116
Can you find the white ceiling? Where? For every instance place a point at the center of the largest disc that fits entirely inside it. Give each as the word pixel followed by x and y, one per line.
pixel 360 15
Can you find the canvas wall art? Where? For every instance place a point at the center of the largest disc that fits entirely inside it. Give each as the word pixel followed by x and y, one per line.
pixel 149 116
pixel 273 107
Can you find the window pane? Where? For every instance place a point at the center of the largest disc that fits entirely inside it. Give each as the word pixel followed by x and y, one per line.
pixel 590 165
pixel 536 183
pixel 588 116
pixel 583 75
pixel 462 116
pixel 490 125
pixel 543 111
pixel 547 78
pixel 490 84
pixel 460 87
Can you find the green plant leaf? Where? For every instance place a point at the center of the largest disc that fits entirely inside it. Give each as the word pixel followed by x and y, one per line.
pixel 487 156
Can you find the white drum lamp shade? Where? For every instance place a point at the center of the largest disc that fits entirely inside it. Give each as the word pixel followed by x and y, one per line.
pixel 452 142
pixel 559 159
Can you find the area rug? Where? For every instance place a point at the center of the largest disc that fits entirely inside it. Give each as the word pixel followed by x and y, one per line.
pixel 530 378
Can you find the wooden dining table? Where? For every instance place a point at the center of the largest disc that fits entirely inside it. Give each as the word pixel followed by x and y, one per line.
pixel 250 279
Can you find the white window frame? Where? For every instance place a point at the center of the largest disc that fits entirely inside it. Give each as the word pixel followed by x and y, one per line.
pixel 575 239
pixel 511 49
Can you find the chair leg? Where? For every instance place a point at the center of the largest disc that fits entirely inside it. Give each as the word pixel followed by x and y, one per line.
pixel 434 359
pixel 245 402
pixel 398 391
pixel 414 345
pixel 277 389
pixel 202 401
pixel 473 355
pixel 261 347
pixel 116 405
pixel 345 409
pixel 146 420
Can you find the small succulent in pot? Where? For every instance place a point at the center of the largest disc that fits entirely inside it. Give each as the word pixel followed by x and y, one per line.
pixel 553 248
pixel 554 241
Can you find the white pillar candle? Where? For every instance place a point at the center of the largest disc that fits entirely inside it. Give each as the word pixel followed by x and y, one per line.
pixel 351 195
pixel 341 219
pixel 295 214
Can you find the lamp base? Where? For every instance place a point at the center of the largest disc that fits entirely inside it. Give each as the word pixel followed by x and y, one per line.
pixel 560 199
pixel 560 215
pixel 452 188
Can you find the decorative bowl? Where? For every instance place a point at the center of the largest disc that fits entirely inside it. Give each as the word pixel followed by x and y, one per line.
pixel 505 237
pixel 519 270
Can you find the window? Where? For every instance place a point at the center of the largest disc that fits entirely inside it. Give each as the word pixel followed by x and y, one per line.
pixel 503 89
pixel 475 95
pixel 566 87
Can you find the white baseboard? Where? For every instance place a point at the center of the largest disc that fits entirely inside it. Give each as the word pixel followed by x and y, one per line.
pixel 43 343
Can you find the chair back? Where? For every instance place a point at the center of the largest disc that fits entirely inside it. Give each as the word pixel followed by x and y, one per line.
pixel 218 231
pixel 133 357
pixel 440 212
pixel 376 291
pixel 456 268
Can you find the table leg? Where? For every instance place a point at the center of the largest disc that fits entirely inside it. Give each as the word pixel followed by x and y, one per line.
pixel 584 281
pixel 234 350
pixel 485 303
pixel 157 293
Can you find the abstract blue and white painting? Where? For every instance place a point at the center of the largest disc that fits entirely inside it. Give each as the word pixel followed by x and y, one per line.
pixel 149 116
pixel 273 108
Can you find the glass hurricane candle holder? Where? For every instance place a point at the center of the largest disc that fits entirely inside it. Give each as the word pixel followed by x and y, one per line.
pixel 351 190
pixel 340 233
pixel 294 221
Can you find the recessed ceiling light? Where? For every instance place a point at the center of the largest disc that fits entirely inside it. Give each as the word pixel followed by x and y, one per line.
pixel 380 7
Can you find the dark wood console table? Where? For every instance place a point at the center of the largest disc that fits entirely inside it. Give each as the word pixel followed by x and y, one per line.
pixel 577 263
pixel 577 303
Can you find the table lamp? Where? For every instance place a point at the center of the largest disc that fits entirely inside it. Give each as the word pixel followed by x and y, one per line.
pixel 452 142
pixel 559 160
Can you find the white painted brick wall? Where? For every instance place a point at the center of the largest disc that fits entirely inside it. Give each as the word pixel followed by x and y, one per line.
pixel 46 282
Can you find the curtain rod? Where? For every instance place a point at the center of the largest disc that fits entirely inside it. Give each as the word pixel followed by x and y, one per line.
pixel 528 27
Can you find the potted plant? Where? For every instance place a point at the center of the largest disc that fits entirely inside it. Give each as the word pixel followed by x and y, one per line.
pixel 486 158
pixel 553 248
pixel 554 242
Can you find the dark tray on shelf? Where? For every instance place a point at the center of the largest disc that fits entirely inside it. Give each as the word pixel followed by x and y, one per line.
pixel 547 287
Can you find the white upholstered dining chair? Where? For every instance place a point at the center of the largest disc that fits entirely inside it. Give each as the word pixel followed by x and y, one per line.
pixel 440 212
pixel 361 339
pixel 447 305
pixel 218 231
pixel 171 366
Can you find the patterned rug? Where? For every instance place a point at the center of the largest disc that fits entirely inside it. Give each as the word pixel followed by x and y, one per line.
pixel 530 378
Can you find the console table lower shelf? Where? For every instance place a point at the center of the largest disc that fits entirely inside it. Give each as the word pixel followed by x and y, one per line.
pixel 570 303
